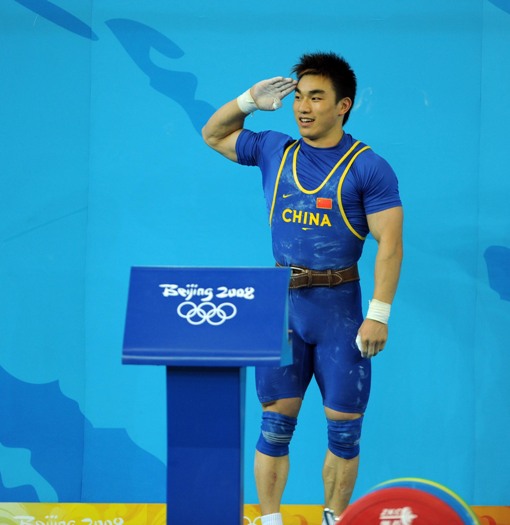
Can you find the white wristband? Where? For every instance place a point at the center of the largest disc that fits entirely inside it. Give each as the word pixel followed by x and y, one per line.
pixel 378 311
pixel 246 103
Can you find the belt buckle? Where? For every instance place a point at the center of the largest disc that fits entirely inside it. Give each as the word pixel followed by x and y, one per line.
pixel 297 270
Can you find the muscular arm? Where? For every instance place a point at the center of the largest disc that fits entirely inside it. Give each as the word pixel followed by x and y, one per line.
pixel 223 128
pixel 386 227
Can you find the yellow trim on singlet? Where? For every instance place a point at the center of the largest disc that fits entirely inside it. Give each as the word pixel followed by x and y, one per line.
pixel 339 193
pixel 310 192
pixel 284 158
pixel 328 176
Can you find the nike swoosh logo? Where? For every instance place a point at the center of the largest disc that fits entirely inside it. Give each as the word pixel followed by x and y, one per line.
pixel 287 195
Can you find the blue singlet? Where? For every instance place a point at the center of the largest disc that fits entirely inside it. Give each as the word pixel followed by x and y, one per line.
pixel 318 200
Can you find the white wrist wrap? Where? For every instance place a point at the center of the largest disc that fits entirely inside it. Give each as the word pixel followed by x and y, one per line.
pixel 246 103
pixel 378 311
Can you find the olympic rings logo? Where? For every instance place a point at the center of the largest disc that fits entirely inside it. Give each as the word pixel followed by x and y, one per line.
pixel 207 312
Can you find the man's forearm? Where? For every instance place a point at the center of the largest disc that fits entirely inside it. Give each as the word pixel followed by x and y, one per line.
pixel 386 227
pixel 223 128
pixel 387 272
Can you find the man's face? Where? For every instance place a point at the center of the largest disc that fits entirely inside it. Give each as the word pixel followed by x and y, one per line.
pixel 318 115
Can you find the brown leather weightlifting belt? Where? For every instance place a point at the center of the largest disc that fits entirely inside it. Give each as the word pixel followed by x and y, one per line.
pixel 305 277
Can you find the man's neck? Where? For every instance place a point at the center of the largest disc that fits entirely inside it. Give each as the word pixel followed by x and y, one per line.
pixel 325 142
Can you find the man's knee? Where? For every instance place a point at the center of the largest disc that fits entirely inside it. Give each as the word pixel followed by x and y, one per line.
pixel 276 433
pixel 344 436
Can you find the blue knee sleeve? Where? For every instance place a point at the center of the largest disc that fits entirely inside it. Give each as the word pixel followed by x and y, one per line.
pixel 344 437
pixel 276 433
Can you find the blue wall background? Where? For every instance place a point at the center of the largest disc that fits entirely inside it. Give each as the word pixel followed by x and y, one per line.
pixel 102 168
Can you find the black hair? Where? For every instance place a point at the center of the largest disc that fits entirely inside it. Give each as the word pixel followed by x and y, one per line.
pixel 334 67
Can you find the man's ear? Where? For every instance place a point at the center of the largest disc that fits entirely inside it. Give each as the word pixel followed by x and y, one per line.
pixel 344 105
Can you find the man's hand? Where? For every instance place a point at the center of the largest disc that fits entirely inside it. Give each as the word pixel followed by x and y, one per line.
pixel 372 337
pixel 268 94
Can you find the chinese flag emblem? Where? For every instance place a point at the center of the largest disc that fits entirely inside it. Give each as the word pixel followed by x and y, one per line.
pixel 324 204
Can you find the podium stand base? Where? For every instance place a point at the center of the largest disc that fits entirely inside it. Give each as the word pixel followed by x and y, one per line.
pixel 205 414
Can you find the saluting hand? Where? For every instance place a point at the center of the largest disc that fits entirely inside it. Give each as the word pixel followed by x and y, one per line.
pixel 268 94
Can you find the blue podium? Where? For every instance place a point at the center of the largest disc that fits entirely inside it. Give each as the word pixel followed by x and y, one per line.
pixel 206 325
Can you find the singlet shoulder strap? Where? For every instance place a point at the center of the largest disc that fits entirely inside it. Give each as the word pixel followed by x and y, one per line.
pixel 328 176
pixel 339 194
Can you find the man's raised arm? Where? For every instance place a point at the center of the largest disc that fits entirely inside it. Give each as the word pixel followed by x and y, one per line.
pixel 225 125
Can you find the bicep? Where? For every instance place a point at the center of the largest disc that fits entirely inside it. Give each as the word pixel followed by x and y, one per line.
pixel 226 146
pixel 387 224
